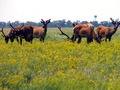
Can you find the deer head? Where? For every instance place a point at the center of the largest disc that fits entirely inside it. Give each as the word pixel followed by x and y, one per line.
pixel 6 37
pixel 15 31
pixel 115 23
pixel 45 22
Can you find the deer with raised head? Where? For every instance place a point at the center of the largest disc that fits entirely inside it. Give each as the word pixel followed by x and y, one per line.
pixel 11 34
pixel 25 32
pixel 106 32
pixel 84 30
pixel 40 32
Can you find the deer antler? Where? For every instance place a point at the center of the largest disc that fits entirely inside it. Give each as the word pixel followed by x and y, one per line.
pixel 3 34
pixel 42 21
pixel 113 22
pixel 48 21
pixel 22 26
pixel 62 33
pixel 12 26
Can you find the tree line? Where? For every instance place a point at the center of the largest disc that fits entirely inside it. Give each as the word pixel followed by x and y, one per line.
pixel 56 23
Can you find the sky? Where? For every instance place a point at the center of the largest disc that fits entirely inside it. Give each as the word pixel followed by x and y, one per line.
pixel 35 10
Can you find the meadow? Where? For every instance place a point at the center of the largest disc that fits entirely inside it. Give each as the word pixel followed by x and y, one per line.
pixel 58 64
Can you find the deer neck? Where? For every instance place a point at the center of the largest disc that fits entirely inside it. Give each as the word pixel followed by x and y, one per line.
pixel 45 28
pixel 114 30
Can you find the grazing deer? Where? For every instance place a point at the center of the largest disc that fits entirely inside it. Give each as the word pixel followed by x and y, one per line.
pixel 25 32
pixel 78 26
pixel 106 32
pixel 84 30
pixel 40 32
pixel 87 32
pixel 11 34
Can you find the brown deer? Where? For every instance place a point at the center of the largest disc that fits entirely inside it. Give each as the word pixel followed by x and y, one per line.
pixel 10 34
pixel 78 26
pixel 106 32
pixel 40 32
pixel 84 30
pixel 87 32
pixel 25 32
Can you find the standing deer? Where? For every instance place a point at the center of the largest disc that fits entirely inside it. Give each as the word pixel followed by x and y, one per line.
pixel 87 32
pixel 25 32
pixel 84 30
pixel 77 27
pixel 106 32
pixel 40 32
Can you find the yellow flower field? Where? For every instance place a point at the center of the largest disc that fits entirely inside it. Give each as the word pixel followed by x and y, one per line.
pixel 58 64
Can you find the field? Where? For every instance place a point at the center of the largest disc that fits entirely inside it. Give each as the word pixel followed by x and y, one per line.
pixel 58 64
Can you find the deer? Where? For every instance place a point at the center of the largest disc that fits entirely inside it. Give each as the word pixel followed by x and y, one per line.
pixel 84 30
pixel 10 34
pixel 87 32
pixel 40 32
pixel 107 32
pixel 78 26
pixel 25 32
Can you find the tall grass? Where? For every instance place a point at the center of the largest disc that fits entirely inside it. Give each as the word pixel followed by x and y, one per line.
pixel 58 64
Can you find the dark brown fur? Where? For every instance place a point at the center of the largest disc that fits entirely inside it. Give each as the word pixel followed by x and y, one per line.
pixel 26 32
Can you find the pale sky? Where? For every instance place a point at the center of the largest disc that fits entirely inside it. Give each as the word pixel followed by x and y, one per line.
pixel 35 10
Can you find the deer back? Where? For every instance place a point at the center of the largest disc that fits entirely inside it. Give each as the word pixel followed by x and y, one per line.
pixel 38 31
pixel 103 31
pixel 27 31
pixel 85 31
pixel 79 26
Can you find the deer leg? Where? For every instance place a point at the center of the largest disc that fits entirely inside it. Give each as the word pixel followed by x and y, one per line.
pixel 109 39
pixel 31 38
pixel 100 37
pixel 105 39
pixel 88 40
pixel 17 39
pixel 72 37
pixel 41 39
pixel 21 41
pixel 79 39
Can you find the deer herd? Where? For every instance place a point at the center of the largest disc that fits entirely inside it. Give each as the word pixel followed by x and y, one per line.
pixel 80 31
